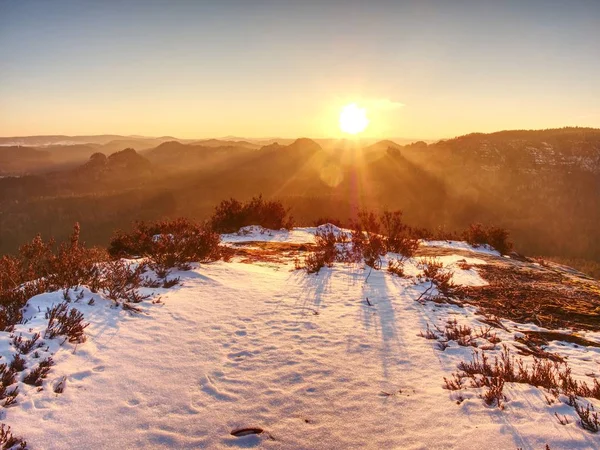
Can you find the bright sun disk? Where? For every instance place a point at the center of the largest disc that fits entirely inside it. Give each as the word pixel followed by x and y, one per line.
pixel 353 119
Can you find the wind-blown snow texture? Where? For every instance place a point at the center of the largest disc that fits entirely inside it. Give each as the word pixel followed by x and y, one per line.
pixel 302 356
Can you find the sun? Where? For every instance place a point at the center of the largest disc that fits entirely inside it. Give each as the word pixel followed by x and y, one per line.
pixel 353 119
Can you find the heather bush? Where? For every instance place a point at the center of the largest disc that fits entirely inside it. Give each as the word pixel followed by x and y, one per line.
pixel 367 241
pixel 63 321
pixel 554 376
pixel 433 271
pixel 231 215
pixel 168 244
pixel 36 376
pixel 373 236
pixel 24 346
pixel 70 265
pixel 74 264
pixel 190 244
pixel 11 302
pixel 326 251
pixel 137 242
pixel 496 237
pixel 17 364
pixel 463 335
pixel 9 441
pixel 140 241
pixel 396 267
pixel 588 420
pixel 398 236
pixel 314 262
pixel 41 267
pixel 120 281
pixel 494 395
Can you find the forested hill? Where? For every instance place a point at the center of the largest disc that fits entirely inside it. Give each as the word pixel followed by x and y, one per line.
pixel 542 185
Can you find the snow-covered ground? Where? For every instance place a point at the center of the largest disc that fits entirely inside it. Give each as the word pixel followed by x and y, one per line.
pixel 305 357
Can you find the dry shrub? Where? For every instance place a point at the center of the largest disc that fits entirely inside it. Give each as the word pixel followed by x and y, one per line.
pixel 41 267
pixel 433 271
pixel 463 335
pixel 36 376
pixel 553 376
pixel 137 242
pixel 168 244
pixel 326 250
pixel 398 237
pixel 10 272
pixel 231 215
pixel 9 441
pixel 17 364
pixel 494 395
pixel 192 243
pixel 74 264
pixel 11 303
pixel 63 321
pixel 428 333
pixel 8 376
pixel 314 262
pixel 167 284
pixel 455 384
pixel 396 267
pixel 371 238
pixel 70 265
pixel 367 241
pixel 588 420
pixel 120 281
pixel 496 237
pixel 24 346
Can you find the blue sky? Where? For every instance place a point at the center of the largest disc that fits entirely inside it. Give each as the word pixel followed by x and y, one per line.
pixel 265 68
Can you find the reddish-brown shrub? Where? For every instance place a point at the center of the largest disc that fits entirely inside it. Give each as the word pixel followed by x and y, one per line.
pixel 231 215
pixel 37 375
pixel 496 237
pixel 396 267
pixel 63 321
pixel 373 236
pixel 588 420
pixel 168 244
pixel 494 395
pixel 189 244
pixel 433 271
pixel 9 441
pixel 120 281
pixel 398 236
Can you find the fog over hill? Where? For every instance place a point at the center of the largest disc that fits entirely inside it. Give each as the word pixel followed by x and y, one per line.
pixel 542 185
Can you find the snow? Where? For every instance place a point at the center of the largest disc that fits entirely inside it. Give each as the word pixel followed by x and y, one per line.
pixel 459 245
pixel 304 357
pixel 257 233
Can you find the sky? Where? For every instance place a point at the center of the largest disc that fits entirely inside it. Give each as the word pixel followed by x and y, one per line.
pixel 194 69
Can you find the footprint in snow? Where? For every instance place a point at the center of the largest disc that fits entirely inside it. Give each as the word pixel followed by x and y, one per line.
pixel 208 386
pixel 240 355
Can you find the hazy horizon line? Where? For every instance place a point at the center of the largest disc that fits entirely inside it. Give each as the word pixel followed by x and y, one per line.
pixel 271 138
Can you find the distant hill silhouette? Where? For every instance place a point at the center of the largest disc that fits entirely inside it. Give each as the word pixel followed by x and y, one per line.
pixel 543 185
